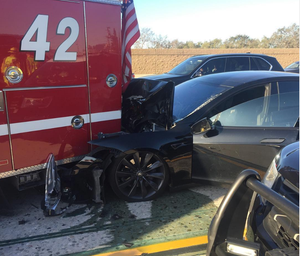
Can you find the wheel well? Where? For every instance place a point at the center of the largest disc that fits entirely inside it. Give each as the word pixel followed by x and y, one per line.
pixel 108 157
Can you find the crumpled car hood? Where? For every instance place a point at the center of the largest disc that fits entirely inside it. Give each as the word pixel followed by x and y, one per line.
pixel 147 103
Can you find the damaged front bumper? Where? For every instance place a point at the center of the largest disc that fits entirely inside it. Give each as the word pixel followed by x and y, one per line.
pixel 79 183
pixel 52 188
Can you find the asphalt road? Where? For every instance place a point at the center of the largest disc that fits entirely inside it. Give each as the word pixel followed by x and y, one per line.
pixel 93 229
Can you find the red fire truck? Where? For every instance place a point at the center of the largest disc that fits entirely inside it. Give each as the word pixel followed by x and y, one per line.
pixel 60 82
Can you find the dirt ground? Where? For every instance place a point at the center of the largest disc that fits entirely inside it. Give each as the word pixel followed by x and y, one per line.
pixel 158 61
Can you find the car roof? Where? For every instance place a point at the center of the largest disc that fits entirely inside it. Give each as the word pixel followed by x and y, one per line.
pixel 232 55
pixel 237 78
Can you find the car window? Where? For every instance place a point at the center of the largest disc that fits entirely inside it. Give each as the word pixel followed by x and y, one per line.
pixel 187 66
pixel 237 64
pixel 285 110
pixel 211 67
pixel 263 106
pixel 259 64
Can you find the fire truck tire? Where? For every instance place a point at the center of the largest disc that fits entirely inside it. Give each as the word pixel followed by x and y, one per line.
pixel 139 176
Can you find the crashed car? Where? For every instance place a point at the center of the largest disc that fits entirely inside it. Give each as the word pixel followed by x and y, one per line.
pixel 207 129
pixel 260 218
pixel 201 65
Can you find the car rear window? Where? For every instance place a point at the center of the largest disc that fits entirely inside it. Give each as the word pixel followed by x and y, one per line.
pixel 259 64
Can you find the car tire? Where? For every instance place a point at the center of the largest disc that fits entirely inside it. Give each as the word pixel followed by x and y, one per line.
pixel 139 176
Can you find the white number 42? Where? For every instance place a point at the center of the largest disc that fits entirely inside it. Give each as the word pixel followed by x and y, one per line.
pixel 40 46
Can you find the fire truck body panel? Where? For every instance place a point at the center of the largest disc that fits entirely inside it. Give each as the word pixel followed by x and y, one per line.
pixel 62 53
pixel 104 58
pixel 5 157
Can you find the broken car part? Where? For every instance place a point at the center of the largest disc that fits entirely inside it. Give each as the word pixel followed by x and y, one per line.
pixel 78 184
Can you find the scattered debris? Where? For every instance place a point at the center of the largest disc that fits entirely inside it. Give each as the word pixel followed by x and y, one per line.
pixel 132 216
pixel 22 222
pixel 116 217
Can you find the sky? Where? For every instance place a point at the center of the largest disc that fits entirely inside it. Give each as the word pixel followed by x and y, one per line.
pixel 204 20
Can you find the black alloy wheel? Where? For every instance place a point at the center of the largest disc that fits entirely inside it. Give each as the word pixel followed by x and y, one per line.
pixel 139 176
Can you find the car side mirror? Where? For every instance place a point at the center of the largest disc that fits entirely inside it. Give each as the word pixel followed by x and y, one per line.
pixel 201 126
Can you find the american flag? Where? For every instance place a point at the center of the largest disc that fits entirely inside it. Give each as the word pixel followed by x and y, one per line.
pixel 130 33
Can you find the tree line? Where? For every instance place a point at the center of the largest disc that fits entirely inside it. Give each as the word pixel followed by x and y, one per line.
pixel 286 37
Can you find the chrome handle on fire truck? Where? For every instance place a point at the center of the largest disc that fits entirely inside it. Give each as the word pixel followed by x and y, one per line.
pixel 14 74
pixel 77 122
pixel 111 80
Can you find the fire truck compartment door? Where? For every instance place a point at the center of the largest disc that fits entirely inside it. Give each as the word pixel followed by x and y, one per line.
pixel 41 123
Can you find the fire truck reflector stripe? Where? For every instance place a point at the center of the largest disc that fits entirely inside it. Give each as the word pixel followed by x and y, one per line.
pixel 3 129
pixel 39 125
pixel 106 116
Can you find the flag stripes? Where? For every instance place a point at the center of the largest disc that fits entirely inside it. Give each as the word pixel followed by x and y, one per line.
pixel 130 33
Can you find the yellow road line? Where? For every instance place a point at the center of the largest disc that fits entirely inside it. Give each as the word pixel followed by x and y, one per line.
pixel 159 247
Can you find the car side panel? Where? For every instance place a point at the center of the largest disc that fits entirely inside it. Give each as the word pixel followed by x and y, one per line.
pixel 174 148
pixel 220 155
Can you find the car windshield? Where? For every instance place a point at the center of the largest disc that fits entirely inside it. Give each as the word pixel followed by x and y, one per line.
pixel 193 95
pixel 187 66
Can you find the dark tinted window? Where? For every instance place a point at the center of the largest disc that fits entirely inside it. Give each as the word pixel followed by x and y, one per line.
pixel 192 95
pixel 288 86
pixel 237 64
pixel 263 106
pixel 212 67
pixel 284 111
pixel 187 66
pixel 259 64
pixel 241 109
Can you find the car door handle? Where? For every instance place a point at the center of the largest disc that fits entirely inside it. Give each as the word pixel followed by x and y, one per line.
pixel 275 140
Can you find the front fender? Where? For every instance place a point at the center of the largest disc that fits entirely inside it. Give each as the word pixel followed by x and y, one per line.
pixel 127 141
pixel 174 148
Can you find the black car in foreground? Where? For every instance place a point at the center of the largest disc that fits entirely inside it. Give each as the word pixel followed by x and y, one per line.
pixel 207 129
pixel 260 218
pixel 201 65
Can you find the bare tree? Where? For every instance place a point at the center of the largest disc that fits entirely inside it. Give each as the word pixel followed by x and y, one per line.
pixel 145 40
pixel 285 37
pixel 216 43
pixel 239 41
pixel 264 42
pixel 161 42
pixel 282 38
pixel 176 44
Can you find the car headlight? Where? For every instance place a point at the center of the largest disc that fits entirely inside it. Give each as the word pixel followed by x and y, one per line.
pixel 271 175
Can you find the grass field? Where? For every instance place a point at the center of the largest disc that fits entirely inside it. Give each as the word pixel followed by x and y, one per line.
pixel 157 61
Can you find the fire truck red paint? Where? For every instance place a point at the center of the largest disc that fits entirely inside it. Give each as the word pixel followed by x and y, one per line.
pixel 55 59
